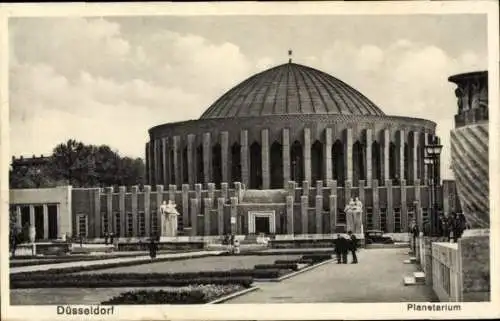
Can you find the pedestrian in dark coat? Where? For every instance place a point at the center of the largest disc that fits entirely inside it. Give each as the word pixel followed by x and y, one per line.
pixel 337 244
pixel 344 248
pixel 153 248
pixel 353 246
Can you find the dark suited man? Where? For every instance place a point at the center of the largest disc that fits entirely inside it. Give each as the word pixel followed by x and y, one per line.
pixel 337 244
pixel 353 246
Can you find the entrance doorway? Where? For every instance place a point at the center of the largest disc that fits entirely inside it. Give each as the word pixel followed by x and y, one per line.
pixel 262 224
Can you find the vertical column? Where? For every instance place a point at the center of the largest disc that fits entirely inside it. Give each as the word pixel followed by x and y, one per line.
pixel 220 216
pixel 289 215
pixel 206 216
pixel 148 164
pixel 446 198
pixel 418 205
pixel 159 201
pixel 123 217
pixel 156 161
pixel 390 205
pixel 18 216
pixel 305 188
pixel 234 214
pixel 224 191
pixel 97 212
pixel 348 155
pixel 194 216
pixel 224 137
pixel 147 210
pixel 404 208
pixel 164 162
pixel 333 212
pixel 190 151
pixel 319 214
pixel 176 161
pixel 265 158
pixel 307 154
pixel 211 192
pixel 171 193
pixel 361 194
pixel 328 154
pixel 319 188
pixel 375 206
pixel 244 157
pixel 426 170
pixel 58 214
pixel 286 156
pixel 333 187
pixel 304 209
pixel 401 158
pixel 135 191
pixel 185 205
pixel 45 222
pixel 109 209
pixel 415 156
pixel 197 191
pixel 207 164
pixel 347 192
pixel 368 149
pixel 386 140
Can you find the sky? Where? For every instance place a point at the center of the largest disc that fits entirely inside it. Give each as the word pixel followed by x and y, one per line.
pixel 107 80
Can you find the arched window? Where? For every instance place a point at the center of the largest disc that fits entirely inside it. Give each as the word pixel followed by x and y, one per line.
pixel 316 161
pixel 217 164
pixel 236 163
pixel 338 162
pixel 276 165
pixel 255 166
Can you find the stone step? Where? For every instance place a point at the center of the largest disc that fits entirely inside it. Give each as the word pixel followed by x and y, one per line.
pixel 419 277
pixel 409 280
pixel 410 260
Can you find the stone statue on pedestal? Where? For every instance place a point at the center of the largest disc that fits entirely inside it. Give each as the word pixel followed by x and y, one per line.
pixel 168 218
pixel 353 211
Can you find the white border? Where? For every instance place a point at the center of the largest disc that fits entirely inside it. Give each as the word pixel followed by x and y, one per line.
pixel 263 311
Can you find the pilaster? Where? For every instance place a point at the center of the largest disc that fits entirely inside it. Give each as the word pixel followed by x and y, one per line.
pixel 361 196
pixel 185 205
pixel 190 159
pixel 224 191
pixel 224 138
pixel 206 216
pixel 109 209
pixel 45 222
pixel 207 163
pixel 265 159
pixel 415 156
pixel 147 210
pixel 171 192
pixel 386 154
pixel 97 212
pixel 390 211
pixel 156 161
pixel 426 169
pixel 368 149
pixel 289 215
pixel 347 192
pixel 319 188
pixel 404 208
pixel 307 154
pixel 348 155
pixel 333 212
pixel 197 192
pixel 220 216
pixel 148 163
pixel 401 158
pixel 319 214
pixel 375 206
pixel 328 154
pixel 177 167
pixel 234 215
pixel 164 162
pixel 194 216
pixel 159 201
pixel 134 198
pixel 211 192
pixel 304 207
pixel 245 175
pixel 286 156
pixel 123 215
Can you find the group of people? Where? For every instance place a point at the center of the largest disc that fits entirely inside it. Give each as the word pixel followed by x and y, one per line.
pixel 451 226
pixel 343 246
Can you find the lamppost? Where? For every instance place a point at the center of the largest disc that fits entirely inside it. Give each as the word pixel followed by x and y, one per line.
pixel 433 152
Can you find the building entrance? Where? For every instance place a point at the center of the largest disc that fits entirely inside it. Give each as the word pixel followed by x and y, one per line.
pixel 262 225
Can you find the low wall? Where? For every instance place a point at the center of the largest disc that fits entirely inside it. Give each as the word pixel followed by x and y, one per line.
pixel 460 271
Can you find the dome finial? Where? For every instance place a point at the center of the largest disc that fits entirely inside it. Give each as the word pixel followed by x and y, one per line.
pixel 290 52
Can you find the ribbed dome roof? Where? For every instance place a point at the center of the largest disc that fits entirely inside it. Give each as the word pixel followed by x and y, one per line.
pixel 291 89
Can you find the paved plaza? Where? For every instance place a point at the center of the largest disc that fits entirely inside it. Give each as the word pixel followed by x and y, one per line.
pixel 377 278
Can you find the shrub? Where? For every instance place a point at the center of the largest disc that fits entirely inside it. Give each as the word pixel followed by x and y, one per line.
pixel 289 266
pixel 298 261
pixel 188 295
pixel 317 258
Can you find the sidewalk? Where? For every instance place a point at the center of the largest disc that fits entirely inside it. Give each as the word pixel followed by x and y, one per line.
pixel 44 267
pixel 378 277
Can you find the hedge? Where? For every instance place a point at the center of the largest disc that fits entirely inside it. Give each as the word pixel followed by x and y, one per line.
pixel 298 261
pixel 317 258
pixel 192 295
pixel 289 266
pixel 69 258
pixel 77 282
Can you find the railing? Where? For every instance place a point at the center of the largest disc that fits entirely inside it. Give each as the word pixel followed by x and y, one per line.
pixel 446 271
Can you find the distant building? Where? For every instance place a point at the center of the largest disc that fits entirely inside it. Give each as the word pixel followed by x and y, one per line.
pixel 280 153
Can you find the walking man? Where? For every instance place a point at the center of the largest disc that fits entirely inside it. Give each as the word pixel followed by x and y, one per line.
pixel 338 248
pixel 353 246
